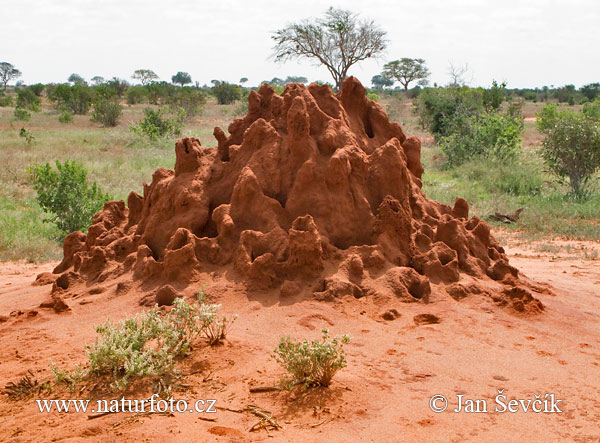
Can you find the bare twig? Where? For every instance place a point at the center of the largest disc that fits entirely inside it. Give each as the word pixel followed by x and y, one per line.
pixel 207 419
pixel 264 389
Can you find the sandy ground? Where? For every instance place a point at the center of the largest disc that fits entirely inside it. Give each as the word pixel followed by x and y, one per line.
pixel 394 367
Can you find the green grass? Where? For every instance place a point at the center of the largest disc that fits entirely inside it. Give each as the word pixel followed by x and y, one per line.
pixel 491 186
pixel 116 158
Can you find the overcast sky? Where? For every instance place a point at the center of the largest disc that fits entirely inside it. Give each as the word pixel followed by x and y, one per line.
pixel 525 43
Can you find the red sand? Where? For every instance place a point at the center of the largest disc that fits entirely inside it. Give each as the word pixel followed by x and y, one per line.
pixel 394 367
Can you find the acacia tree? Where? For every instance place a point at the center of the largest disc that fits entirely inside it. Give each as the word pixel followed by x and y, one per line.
pixel 8 72
pixel 380 81
pixel 406 70
pixel 145 76
pixel 75 78
pixel 338 41
pixel 182 78
pixel 97 80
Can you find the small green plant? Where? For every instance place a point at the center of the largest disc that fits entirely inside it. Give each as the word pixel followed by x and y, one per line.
pixel 214 329
pixel 146 345
pixel 66 194
pixel 161 123
pixel 27 135
pixel 373 96
pixel 107 112
pixel 65 117
pixel 22 115
pixel 311 363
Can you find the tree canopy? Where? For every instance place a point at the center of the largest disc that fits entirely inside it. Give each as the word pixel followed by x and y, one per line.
pixel 381 81
pixel 8 72
pixel 406 70
pixel 76 78
pixel 145 76
pixel 182 78
pixel 338 41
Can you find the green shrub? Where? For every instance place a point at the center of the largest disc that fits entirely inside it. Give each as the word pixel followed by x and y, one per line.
pixel 161 123
pixel 311 363
pixel 190 99
pixel 37 89
pixel 27 135
pixel 226 92
pixel 159 92
pixel 136 95
pixel 146 345
pixel 65 193
pixel 592 110
pixel 76 99
pixel 118 86
pixel 5 100
pixel 494 96
pixel 487 134
pixel 65 117
pixel 572 145
pixel 22 114
pixel 373 96
pixel 26 99
pixel 437 108
pixel 107 112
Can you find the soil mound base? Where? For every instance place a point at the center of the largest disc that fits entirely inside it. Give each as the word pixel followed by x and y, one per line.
pixel 310 188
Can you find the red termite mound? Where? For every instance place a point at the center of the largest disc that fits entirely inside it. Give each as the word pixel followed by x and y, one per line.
pixel 310 188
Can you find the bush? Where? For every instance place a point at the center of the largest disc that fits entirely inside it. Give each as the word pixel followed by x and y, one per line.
pixel 160 123
pixel 437 108
pixel 65 117
pixel 311 363
pixel 373 96
pixel 107 112
pixel 159 92
pixel 37 89
pixel 136 95
pixel 592 110
pixel 147 344
pixel 5 101
pixel 22 114
pixel 488 134
pixel 65 193
pixel 572 145
pixel 190 99
pixel 226 93
pixel 76 99
pixel 27 135
pixel 26 99
pixel 118 86
pixel 494 96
